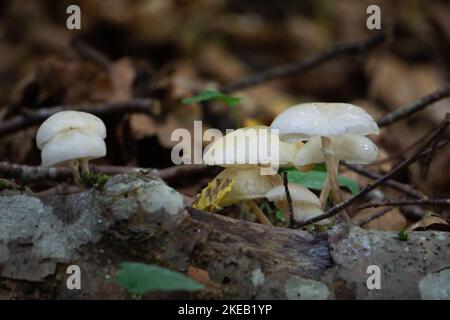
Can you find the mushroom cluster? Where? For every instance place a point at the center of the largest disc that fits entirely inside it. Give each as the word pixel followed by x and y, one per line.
pixel 71 138
pixel 333 132
pixel 306 134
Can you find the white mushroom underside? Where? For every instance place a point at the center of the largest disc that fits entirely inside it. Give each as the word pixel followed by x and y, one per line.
pixel 298 194
pixel 302 121
pixel 351 148
pixel 72 145
pixel 69 120
pixel 250 184
pixel 303 211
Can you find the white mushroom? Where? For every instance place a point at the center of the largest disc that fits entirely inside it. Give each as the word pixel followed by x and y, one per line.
pixel 340 127
pixel 71 138
pixel 243 152
pixel 250 146
pixel 305 204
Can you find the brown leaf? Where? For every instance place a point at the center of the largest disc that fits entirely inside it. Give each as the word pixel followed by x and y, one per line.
pixel 431 222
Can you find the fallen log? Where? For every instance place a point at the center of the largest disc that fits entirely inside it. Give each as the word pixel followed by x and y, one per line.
pixel 139 218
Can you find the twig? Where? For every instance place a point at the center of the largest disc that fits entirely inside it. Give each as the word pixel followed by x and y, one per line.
pixel 289 200
pixel 426 160
pixel 299 67
pixel 333 211
pixel 405 188
pixel 37 173
pixel 258 213
pixel 88 52
pixel 416 106
pixel 22 121
pixel 399 203
pixel 376 215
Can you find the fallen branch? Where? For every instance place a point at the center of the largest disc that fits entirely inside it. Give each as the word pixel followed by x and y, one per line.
pixel 333 211
pixel 36 173
pixel 30 118
pixel 399 203
pixel 295 68
pixel 415 107
pixel 140 219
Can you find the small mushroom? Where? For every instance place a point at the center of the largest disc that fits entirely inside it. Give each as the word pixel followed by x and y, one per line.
pixel 349 147
pixel 305 204
pixel 71 138
pixel 340 127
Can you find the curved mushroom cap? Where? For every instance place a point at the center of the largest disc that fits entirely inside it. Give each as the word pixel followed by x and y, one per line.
pixel 351 148
pixel 72 145
pixel 249 185
pixel 69 120
pixel 302 121
pixel 298 194
pixel 306 205
pixel 247 147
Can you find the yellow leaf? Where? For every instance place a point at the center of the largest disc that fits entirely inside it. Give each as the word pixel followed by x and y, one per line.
pixel 210 197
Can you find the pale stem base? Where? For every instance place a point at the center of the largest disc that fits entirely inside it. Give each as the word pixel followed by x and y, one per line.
pixel 331 182
pixel 258 213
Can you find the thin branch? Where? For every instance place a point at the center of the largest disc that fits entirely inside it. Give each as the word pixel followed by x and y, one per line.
pixel 22 121
pixel 37 173
pixel 333 211
pixel 411 202
pixel 88 52
pixel 405 188
pixel 376 215
pixel 415 107
pixel 353 48
pixel 289 200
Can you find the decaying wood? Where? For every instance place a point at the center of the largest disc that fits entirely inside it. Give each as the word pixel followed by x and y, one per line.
pixel 138 218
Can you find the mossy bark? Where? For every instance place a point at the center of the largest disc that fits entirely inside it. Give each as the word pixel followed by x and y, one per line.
pixel 139 218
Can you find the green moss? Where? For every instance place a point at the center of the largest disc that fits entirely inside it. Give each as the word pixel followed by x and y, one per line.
pixel 90 180
pixel 403 235
pixel 3 184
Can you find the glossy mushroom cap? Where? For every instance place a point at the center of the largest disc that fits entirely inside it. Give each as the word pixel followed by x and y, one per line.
pixel 69 120
pixel 306 205
pixel 249 185
pixel 305 120
pixel 71 135
pixel 349 147
pixel 247 147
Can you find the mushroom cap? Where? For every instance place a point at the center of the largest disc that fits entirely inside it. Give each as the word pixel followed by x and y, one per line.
pixel 249 185
pixel 69 120
pixel 298 194
pixel 71 145
pixel 304 120
pixel 306 205
pixel 349 147
pixel 247 147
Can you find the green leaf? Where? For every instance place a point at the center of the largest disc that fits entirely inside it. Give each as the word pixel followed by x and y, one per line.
pixel 315 179
pixel 209 94
pixel 279 215
pixel 139 278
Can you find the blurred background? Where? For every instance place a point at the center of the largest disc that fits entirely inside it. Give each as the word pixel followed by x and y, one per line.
pixel 171 49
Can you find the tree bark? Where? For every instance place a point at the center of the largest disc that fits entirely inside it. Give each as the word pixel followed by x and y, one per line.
pixel 139 218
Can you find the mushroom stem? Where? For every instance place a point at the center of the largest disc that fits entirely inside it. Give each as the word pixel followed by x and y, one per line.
pixel 76 174
pixel 332 166
pixel 259 214
pixel 324 193
pixel 84 165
